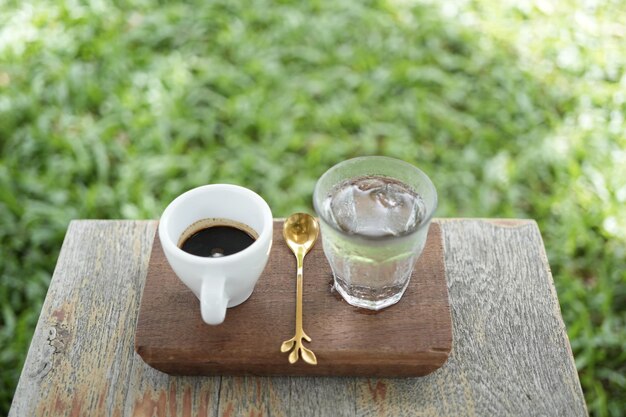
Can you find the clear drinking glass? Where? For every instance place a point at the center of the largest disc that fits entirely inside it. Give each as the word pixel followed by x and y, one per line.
pixel 372 267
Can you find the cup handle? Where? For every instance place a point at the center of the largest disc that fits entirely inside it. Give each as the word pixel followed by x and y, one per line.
pixel 213 301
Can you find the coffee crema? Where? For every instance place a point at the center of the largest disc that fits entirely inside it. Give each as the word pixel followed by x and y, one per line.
pixel 216 237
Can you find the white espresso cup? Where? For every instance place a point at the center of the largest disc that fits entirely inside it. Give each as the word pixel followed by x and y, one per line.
pixel 218 282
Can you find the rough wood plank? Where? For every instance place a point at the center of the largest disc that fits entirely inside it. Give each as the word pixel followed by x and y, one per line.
pixel 510 355
pixel 82 350
pixel 319 396
pixel 347 341
pixel 153 393
pixel 254 396
pixel 286 396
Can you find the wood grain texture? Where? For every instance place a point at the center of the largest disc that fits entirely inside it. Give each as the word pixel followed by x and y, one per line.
pixel 150 392
pixel 411 338
pixel 81 353
pixel 254 396
pixel 510 356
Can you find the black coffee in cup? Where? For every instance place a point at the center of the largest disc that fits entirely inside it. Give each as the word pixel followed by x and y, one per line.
pixel 214 238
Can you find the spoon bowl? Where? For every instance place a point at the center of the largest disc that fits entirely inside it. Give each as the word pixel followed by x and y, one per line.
pixel 301 230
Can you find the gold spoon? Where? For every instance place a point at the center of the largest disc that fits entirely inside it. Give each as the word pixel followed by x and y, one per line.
pixel 300 231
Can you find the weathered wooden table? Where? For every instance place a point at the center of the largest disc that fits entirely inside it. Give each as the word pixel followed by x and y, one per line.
pixel 510 356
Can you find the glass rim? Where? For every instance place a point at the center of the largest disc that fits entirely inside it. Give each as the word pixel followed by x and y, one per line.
pixel 429 184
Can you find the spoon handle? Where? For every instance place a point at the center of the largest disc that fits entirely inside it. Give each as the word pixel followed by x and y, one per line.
pixel 300 260
pixel 295 342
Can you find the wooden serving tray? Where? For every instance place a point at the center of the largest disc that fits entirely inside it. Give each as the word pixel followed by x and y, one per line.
pixel 410 338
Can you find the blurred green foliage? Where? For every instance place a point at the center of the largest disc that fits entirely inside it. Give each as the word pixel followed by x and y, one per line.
pixel 514 108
